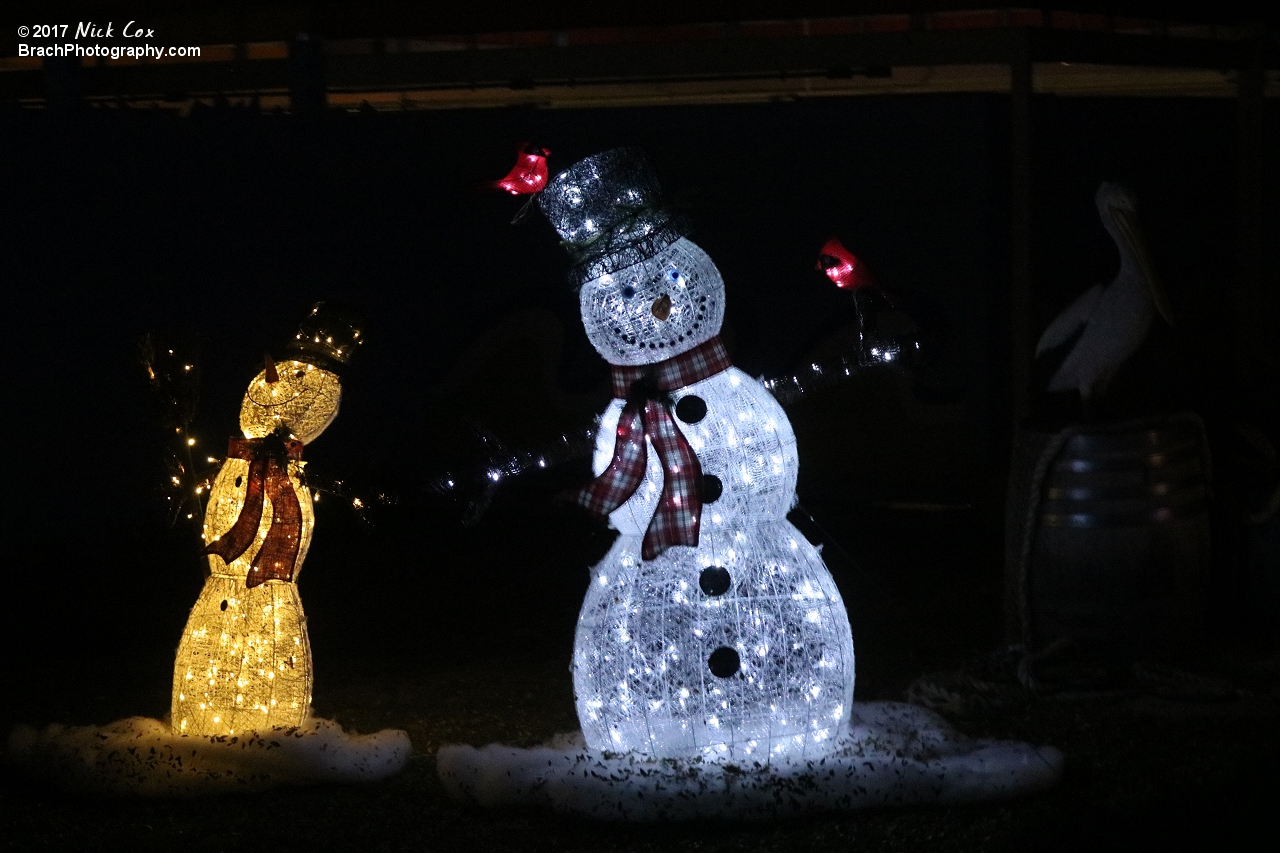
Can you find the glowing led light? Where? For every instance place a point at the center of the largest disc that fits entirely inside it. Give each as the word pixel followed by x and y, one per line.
pixel 648 629
pixel 236 633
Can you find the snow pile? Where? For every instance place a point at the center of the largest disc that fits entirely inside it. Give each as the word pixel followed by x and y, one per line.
pixel 143 757
pixel 893 754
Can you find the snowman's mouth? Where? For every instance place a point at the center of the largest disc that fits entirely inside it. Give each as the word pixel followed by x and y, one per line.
pixel 269 396
pixel 672 341
pixel 294 381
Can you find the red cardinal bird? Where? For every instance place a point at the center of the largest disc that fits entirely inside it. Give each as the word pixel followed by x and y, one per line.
pixel 529 174
pixel 842 267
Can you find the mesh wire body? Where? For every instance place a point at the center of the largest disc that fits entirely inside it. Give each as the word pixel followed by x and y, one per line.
pixel 647 631
pixel 617 308
pixel 741 646
pixel 609 213
pixel 244 660
pixel 745 442
pixel 304 400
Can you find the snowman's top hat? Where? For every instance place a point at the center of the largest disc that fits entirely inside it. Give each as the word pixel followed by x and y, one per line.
pixel 327 337
pixel 609 213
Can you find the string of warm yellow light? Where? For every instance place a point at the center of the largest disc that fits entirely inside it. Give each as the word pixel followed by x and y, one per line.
pixel 244 661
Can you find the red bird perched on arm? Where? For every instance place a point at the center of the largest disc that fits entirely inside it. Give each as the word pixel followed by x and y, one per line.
pixel 529 174
pixel 842 267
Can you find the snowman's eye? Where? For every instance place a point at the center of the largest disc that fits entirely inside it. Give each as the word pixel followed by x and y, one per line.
pixel 628 291
pixel 673 275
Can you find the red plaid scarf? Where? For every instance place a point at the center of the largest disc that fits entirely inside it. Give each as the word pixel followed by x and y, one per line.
pixel 268 460
pixel 647 413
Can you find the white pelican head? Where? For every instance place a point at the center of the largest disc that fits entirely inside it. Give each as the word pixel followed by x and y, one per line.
pixel 1118 208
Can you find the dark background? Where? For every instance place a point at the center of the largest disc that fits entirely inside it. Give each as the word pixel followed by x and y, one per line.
pixel 219 229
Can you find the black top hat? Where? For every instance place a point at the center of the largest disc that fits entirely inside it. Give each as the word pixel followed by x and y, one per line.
pixel 327 337
pixel 609 214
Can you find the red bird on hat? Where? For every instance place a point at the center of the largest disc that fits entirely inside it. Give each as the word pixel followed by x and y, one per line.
pixel 529 174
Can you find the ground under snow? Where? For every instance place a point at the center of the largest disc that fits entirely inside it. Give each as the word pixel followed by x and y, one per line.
pixel 143 757
pixel 893 754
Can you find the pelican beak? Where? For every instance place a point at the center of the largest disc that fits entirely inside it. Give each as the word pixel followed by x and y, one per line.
pixel 1127 222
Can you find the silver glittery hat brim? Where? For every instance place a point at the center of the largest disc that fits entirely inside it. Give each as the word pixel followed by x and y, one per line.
pixel 653 231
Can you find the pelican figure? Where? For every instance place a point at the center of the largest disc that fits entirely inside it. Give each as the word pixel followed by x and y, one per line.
pixel 1108 321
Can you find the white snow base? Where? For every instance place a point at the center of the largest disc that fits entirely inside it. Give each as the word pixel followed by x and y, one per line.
pixel 893 754
pixel 143 757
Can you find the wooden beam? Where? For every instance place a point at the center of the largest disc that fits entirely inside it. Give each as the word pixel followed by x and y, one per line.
pixel 1102 48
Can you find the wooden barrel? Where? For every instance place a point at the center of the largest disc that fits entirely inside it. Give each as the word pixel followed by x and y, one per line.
pixel 1120 549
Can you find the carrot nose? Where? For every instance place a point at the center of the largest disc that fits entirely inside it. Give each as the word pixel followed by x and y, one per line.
pixel 273 376
pixel 661 307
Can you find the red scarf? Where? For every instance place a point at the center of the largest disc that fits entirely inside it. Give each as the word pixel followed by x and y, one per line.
pixel 647 413
pixel 268 460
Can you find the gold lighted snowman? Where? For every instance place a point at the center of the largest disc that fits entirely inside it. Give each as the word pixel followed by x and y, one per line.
pixel 244 661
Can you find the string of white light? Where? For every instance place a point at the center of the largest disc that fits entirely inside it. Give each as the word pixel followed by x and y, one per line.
pixel 738 647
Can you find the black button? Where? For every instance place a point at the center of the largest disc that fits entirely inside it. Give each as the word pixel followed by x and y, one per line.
pixel 712 488
pixel 691 408
pixel 724 662
pixel 714 581
pixel 224 604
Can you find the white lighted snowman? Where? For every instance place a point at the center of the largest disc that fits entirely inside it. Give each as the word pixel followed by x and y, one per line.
pixel 244 661
pixel 712 626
